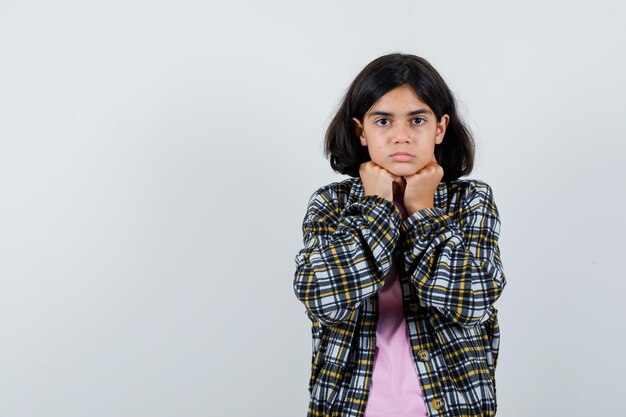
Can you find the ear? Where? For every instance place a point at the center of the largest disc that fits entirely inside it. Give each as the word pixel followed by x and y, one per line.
pixel 441 128
pixel 358 130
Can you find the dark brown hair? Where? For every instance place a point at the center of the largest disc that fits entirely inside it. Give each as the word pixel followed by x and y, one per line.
pixel 341 145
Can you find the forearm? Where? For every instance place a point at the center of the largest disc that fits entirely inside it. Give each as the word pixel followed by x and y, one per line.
pixel 455 265
pixel 340 267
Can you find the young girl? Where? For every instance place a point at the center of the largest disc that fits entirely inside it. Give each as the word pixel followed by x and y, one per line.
pixel 401 268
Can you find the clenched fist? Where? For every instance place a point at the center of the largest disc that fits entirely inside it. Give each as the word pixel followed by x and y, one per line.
pixel 418 189
pixel 378 181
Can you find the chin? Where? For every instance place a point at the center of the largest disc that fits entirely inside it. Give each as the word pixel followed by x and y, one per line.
pixel 402 170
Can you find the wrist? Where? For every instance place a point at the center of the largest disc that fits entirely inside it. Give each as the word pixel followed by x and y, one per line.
pixel 418 207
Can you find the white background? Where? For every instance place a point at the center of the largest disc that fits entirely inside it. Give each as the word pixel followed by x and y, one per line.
pixel 156 159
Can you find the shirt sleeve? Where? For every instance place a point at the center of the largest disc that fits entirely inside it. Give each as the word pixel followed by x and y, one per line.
pixel 346 253
pixel 455 264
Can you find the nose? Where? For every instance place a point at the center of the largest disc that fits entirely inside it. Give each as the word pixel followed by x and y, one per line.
pixel 401 133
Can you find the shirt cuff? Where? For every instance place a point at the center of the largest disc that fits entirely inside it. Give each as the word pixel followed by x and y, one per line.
pixel 424 221
pixel 375 204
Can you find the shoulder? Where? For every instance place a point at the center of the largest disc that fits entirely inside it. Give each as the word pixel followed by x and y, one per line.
pixel 468 195
pixel 474 196
pixel 470 189
pixel 328 201
pixel 334 194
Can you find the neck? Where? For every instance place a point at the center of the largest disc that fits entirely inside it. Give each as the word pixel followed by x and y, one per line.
pixel 398 201
pixel 398 196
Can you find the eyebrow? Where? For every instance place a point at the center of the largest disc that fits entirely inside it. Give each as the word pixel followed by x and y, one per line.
pixel 411 113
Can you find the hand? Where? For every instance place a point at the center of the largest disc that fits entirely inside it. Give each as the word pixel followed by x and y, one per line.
pixel 421 186
pixel 378 181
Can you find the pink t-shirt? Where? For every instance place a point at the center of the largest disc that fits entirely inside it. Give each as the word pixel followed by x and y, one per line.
pixel 395 387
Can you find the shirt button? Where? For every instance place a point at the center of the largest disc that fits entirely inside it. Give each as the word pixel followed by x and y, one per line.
pixel 423 355
pixel 437 403
pixel 414 308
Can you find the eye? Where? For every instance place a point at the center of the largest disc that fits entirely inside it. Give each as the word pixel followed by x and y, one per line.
pixel 382 120
pixel 419 118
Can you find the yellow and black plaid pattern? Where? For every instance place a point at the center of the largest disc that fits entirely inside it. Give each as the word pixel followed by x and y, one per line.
pixel 451 274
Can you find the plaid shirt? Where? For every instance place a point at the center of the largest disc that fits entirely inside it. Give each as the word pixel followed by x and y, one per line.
pixel 450 272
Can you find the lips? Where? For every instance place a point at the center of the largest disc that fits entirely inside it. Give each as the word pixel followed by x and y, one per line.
pixel 402 156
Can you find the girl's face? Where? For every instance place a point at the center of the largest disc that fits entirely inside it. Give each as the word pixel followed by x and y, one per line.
pixel 400 122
